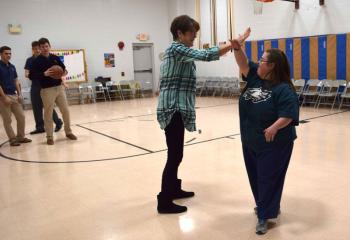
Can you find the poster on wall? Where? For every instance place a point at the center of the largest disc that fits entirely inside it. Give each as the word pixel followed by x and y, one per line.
pixel 109 60
pixel 74 60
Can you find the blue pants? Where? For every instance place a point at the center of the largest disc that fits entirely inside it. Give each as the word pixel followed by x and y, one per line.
pixel 37 105
pixel 266 171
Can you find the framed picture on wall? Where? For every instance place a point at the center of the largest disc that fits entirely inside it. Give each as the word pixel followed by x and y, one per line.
pixel 109 60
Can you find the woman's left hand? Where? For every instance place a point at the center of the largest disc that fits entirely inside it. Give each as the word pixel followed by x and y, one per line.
pixel 241 38
pixel 270 133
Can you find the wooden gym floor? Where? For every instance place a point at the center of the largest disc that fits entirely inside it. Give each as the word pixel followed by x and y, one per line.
pixel 104 186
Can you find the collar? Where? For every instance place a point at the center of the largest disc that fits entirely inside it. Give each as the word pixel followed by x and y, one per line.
pixel 4 64
pixel 45 56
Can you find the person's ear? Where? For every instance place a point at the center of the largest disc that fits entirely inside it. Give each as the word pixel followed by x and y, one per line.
pixel 179 34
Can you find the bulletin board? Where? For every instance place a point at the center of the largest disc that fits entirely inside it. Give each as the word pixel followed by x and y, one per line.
pixel 75 63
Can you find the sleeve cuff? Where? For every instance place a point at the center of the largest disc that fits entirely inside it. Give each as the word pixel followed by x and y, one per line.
pixel 295 121
pixel 216 51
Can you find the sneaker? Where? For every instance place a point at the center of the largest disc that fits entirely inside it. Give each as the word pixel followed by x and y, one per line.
pixel 37 131
pixel 166 206
pixel 183 194
pixel 261 227
pixel 179 193
pixel 14 143
pixel 71 136
pixel 50 141
pixel 24 140
pixel 171 208
pixel 58 126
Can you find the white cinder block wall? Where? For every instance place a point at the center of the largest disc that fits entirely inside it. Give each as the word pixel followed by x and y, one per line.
pixel 94 25
pixel 98 25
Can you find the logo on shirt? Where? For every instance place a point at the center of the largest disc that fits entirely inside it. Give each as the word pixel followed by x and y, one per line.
pixel 257 95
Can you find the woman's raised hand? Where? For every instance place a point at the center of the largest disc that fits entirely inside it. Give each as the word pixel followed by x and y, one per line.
pixel 238 42
pixel 242 38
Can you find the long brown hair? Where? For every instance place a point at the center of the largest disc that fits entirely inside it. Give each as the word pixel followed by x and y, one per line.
pixel 281 71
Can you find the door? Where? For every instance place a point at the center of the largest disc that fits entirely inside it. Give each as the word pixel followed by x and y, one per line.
pixel 144 65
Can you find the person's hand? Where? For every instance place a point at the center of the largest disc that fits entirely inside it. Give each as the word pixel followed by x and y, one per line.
pixel 20 99
pixel 270 133
pixel 7 100
pixel 241 38
pixel 65 85
pixel 48 73
pixel 238 42
pixel 235 44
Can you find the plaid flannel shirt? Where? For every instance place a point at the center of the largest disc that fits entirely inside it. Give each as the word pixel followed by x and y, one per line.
pixel 178 83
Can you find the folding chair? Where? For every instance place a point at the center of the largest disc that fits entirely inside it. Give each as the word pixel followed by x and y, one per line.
pixel 126 89
pixel 114 90
pixel 86 92
pixel 311 91
pixel 200 86
pixel 345 95
pixel 99 91
pixel 299 86
pixel 330 89
pixel 73 94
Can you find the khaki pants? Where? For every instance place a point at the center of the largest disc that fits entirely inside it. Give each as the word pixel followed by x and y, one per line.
pixel 50 96
pixel 6 111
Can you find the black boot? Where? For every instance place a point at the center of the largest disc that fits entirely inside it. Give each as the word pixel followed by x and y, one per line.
pixel 166 205
pixel 179 193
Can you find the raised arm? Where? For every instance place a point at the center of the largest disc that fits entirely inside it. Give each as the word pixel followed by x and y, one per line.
pixel 189 54
pixel 211 54
pixel 240 55
pixel 223 49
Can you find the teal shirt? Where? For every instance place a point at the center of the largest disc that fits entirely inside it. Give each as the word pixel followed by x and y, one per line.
pixel 260 105
pixel 178 83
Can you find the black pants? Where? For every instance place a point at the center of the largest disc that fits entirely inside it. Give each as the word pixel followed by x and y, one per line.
pixel 266 171
pixel 174 134
pixel 37 105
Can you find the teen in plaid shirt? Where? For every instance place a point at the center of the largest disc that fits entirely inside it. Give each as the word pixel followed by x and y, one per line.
pixel 176 103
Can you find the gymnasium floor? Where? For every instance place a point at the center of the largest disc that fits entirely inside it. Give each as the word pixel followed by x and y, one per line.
pixel 104 186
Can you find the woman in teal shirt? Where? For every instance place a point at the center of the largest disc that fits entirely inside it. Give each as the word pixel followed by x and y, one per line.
pixel 269 112
pixel 176 103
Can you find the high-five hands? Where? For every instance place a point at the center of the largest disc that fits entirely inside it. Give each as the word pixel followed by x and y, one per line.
pixel 237 42
pixel 246 34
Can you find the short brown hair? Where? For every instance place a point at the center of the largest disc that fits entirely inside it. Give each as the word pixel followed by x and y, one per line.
pixel 42 41
pixel 4 48
pixel 35 44
pixel 183 24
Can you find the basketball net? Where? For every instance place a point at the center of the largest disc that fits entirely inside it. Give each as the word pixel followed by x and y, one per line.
pixel 258 6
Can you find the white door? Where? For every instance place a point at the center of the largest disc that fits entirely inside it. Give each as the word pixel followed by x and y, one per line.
pixel 143 65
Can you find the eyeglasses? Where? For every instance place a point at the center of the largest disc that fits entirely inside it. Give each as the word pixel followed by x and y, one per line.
pixel 263 60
